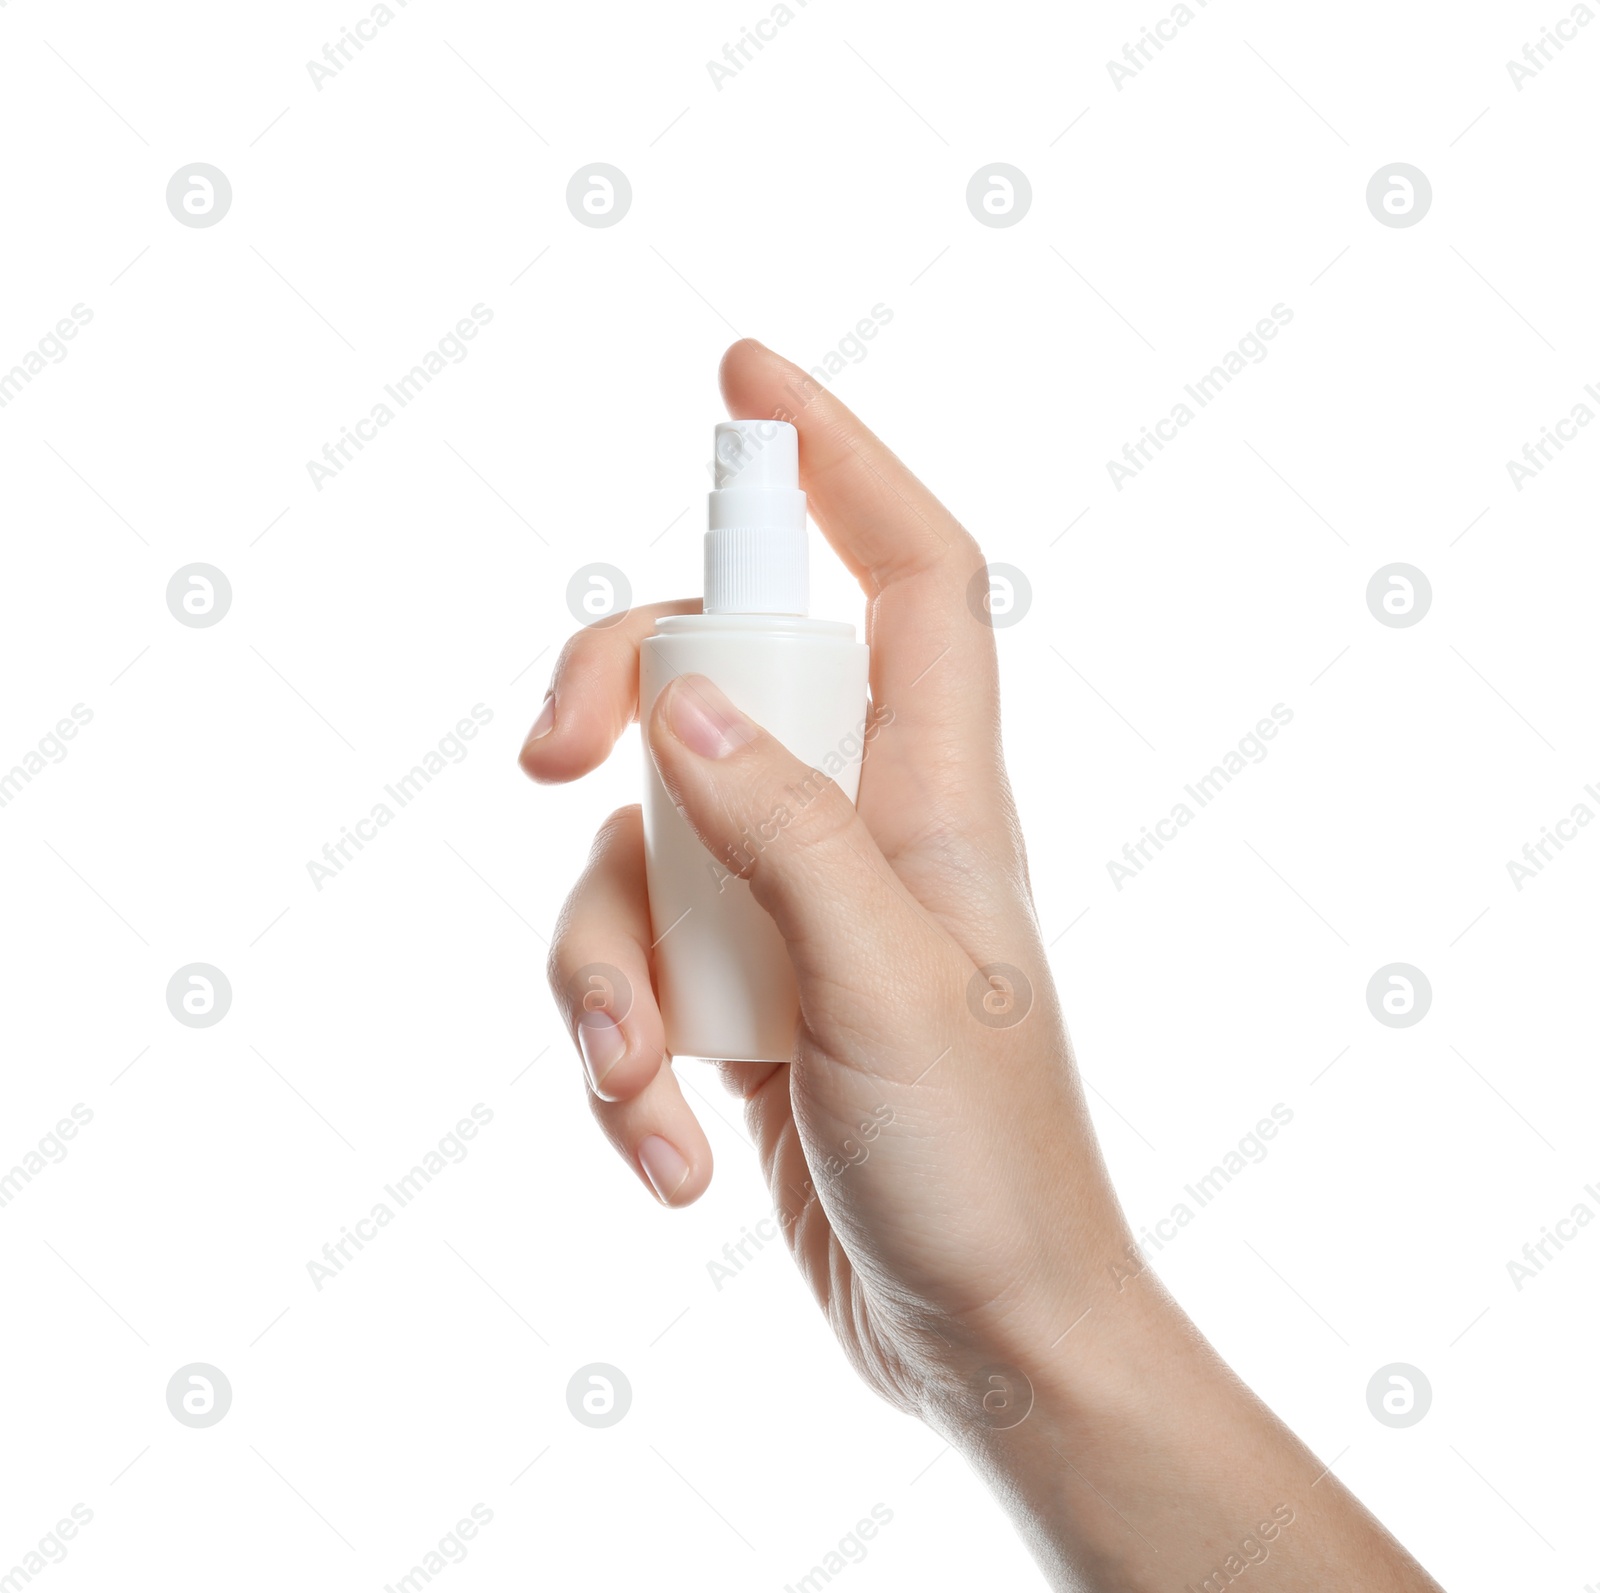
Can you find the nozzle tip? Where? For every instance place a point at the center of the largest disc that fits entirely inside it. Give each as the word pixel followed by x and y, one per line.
pixel 763 454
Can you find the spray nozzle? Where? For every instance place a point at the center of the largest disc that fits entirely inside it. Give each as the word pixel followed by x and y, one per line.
pixel 761 454
pixel 756 557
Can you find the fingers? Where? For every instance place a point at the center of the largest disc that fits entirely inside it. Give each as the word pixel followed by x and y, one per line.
pixel 881 520
pixel 593 696
pixel 933 656
pixel 600 964
pixel 810 860
pixel 658 1135
pixel 600 973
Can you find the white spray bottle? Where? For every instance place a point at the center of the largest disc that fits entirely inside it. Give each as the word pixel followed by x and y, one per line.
pixel 723 976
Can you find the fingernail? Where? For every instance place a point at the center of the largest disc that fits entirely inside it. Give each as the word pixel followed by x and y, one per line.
pixel 545 723
pixel 704 720
pixel 602 1044
pixel 663 1166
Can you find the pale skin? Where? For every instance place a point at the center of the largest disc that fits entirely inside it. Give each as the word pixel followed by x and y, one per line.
pixel 936 1176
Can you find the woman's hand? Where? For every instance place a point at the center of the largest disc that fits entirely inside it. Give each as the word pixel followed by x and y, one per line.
pixel 931 1127
pixel 931 1161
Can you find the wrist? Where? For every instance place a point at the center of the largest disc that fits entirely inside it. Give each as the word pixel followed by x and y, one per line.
pixel 1068 1421
pixel 1131 1458
pixel 1067 1359
pixel 1064 1328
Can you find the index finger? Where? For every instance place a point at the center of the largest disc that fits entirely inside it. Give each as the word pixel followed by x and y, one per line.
pixel 593 696
pixel 933 656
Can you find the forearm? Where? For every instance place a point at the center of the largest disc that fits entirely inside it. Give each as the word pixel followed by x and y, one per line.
pixel 1145 1464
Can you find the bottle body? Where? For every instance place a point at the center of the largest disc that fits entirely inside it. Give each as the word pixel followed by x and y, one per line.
pixel 723 976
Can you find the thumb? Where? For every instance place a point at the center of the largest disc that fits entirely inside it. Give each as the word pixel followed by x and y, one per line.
pixel 794 835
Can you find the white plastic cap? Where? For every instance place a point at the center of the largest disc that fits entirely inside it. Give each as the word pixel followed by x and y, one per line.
pixel 756 551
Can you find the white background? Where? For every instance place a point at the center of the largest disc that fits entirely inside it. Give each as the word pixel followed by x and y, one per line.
pixel 368 217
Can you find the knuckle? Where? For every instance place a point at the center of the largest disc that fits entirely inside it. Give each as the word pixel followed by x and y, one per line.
pixel 555 966
pixel 565 955
pixel 621 824
pixel 826 817
pixel 806 823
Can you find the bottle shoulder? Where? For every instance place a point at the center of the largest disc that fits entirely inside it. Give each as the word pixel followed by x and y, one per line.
pixel 751 626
